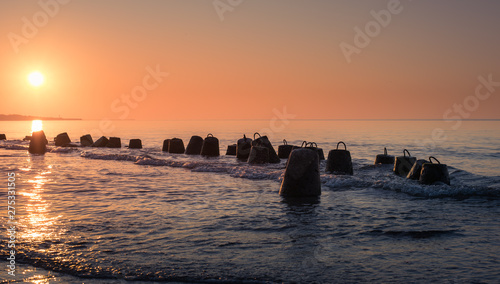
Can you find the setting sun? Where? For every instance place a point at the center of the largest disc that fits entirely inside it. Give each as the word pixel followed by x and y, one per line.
pixel 35 78
pixel 36 125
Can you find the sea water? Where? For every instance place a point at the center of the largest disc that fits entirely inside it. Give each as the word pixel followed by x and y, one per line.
pixel 94 215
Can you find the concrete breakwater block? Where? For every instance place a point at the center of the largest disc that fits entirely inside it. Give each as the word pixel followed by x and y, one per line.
pixel 339 161
pixel 314 146
pixel 210 147
pixel 434 172
pixel 176 146
pixel 264 142
pixel 86 140
pixel 302 177
pixel 243 147
pixel 194 145
pixel 384 159
pixel 62 139
pixel 135 144
pixel 415 170
pixel 114 142
pixel 101 142
pixel 38 143
pixel 403 164
pixel 258 155
pixel 284 150
pixel 231 150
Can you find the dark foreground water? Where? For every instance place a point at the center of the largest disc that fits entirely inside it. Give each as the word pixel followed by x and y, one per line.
pixel 142 216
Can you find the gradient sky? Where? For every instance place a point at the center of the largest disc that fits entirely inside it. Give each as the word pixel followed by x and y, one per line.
pixel 262 56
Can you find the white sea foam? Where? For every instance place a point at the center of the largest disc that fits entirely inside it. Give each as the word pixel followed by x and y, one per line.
pixel 115 157
pixel 365 175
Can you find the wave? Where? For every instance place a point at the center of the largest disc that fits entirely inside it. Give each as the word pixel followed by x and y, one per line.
pixel 113 157
pixel 464 184
pixel 14 147
pixel 366 175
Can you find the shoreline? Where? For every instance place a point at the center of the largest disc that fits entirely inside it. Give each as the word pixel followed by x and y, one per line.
pixel 18 117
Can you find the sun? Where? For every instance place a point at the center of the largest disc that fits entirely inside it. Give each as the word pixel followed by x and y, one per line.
pixel 36 125
pixel 35 79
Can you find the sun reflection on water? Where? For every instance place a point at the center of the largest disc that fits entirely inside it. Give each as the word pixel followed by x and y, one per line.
pixel 39 225
pixel 39 279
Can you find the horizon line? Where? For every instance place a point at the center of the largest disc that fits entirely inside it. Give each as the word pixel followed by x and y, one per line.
pixel 4 117
pixel 304 119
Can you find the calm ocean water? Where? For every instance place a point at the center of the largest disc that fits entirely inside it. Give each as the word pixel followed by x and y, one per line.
pixel 88 215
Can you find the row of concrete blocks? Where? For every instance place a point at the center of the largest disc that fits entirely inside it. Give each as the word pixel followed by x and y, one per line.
pixel 207 147
pixel 197 145
pixel 38 142
pixel 260 151
pixel 302 177
pixel 425 171
pixel 63 140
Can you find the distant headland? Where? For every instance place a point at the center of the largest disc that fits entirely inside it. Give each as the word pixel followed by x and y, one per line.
pixel 18 117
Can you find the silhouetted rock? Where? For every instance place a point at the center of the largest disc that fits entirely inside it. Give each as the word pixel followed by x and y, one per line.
pixel 114 142
pixel 101 142
pixel 3 137
pixel 38 143
pixel 314 146
pixel 62 139
pixel 258 155
pixel 415 170
pixel 284 150
pixel 210 147
pixel 135 144
pixel 339 161
pixel 176 146
pixel 243 148
pixel 384 158
pixel 194 145
pixel 231 150
pixel 302 177
pixel 86 140
pixel 434 173
pixel 264 141
pixel 403 164
pixel 27 138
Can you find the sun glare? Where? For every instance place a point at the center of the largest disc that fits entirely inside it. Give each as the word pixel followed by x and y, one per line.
pixel 35 78
pixel 36 125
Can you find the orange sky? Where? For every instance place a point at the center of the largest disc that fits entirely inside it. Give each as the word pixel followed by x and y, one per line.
pixel 262 55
